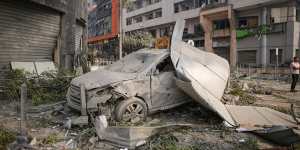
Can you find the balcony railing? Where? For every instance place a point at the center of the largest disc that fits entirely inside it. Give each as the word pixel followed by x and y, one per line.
pixel 213 4
pixel 221 33
pixel 217 44
pixel 192 35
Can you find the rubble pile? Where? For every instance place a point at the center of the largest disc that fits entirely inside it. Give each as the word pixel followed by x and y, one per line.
pixel 243 92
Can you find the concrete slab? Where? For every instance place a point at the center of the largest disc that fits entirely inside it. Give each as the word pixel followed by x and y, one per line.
pixel 26 66
pixel 44 66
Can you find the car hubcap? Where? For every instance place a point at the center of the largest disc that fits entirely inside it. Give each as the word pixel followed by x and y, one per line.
pixel 134 113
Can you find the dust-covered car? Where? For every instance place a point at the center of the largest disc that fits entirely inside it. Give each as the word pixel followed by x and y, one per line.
pixel 128 90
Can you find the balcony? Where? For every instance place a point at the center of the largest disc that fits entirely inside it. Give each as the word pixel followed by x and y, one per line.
pixel 218 44
pixel 221 33
pixel 214 4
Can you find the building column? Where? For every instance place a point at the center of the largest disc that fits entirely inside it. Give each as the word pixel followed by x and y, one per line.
pixel 207 27
pixel 157 33
pixel 264 39
pixel 291 34
pixel 233 42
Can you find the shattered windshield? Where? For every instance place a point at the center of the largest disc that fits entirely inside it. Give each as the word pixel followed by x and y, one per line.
pixel 133 63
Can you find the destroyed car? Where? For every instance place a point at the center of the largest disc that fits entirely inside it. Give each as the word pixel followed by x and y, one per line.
pixel 128 90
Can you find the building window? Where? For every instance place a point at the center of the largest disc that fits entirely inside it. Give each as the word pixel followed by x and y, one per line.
pixel 153 33
pixel 298 14
pixel 198 29
pixel 128 21
pixel 176 8
pixel 185 31
pixel 138 4
pixel 185 6
pixel 149 16
pixel 221 24
pixel 298 53
pixel 164 31
pixel 199 43
pixel 248 22
pixel 273 57
pixel 279 15
pixel 149 2
pixel 138 19
pixel 158 14
pixel 188 5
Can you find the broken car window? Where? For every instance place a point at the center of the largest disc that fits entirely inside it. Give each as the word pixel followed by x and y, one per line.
pixel 165 65
pixel 133 63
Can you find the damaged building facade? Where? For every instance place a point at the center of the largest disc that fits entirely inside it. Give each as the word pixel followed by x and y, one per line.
pixel 41 30
pixel 243 32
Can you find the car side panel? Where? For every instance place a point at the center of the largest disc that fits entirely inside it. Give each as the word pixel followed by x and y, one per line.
pixel 165 93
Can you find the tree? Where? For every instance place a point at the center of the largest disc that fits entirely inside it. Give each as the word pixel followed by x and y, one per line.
pixel 123 4
pixel 136 41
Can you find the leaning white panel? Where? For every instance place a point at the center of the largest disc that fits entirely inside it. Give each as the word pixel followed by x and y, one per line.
pixel 202 75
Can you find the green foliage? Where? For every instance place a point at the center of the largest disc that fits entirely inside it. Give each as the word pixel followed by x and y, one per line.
pixel 245 97
pixel 167 142
pixel 136 41
pixel 247 32
pixel 127 4
pixel 48 87
pixel 6 137
pixel 51 139
pixel 16 78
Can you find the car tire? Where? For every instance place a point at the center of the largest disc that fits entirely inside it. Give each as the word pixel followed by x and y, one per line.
pixel 132 110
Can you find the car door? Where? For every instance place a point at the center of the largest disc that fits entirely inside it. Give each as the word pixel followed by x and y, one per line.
pixel 164 93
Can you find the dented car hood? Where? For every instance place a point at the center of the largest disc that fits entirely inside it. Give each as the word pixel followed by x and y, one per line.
pixel 202 75
pixel 102 77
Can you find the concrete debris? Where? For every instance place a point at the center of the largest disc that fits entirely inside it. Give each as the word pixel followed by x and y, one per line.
pixel 80 121
pixel 268 123
pixel 130 137
pixel 33 142
pixel 245 87
pixel 230 99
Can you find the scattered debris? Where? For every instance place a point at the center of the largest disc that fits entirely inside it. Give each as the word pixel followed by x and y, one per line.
pixel 131 91
pixel 80 121
pixel 6 136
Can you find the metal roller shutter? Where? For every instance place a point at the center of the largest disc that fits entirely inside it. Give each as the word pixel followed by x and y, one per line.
pixel 28 32
pixel 78 37
pixel 247 57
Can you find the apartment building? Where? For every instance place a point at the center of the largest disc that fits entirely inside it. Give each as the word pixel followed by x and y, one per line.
pixel 242 31
pixel 271 25
pixel 159 16
pixel 103 28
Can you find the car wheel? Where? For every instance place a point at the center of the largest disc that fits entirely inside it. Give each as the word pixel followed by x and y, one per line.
pixel 132 110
